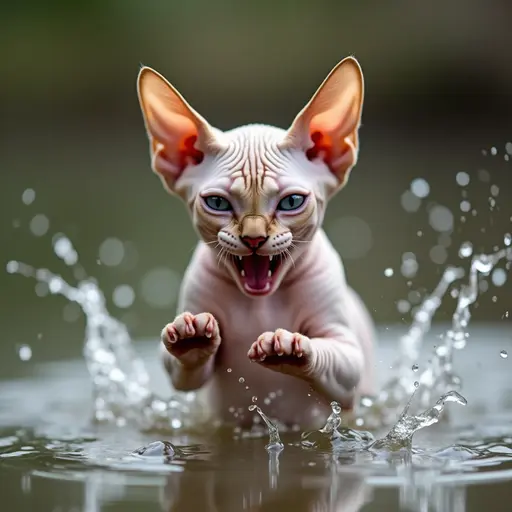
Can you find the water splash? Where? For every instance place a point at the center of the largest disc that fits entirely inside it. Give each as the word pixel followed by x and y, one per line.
pixel 438 378
pixel 400 436
pixel 332 435
pixel 121 385
pixel 274 442
pixel 119 378
pixel 396 391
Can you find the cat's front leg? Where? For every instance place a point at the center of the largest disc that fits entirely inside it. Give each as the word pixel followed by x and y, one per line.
pixel 190 344
pixel 332 366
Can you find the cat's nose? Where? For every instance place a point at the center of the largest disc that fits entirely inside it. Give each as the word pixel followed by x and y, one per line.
pixel 254 242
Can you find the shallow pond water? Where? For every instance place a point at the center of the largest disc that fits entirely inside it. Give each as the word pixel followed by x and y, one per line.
pixel 52 457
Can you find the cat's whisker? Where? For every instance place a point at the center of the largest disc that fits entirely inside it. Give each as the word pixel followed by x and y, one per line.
pixel 287 254
pixel 295 240
pixel 219 255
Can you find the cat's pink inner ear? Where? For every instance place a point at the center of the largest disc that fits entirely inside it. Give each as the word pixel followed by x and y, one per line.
pixel 177 133
pixel 327 127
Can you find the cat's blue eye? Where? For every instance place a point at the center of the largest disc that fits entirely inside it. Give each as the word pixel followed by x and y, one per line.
pixel 291 202
pixel 218 203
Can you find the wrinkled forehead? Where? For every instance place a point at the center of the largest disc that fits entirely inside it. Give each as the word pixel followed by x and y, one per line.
pixel 255 171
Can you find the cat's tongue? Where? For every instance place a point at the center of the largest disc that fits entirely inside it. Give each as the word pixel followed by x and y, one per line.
pixel 256 271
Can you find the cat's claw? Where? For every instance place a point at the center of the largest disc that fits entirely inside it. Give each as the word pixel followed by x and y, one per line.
pixel 280 349
pixel 192 338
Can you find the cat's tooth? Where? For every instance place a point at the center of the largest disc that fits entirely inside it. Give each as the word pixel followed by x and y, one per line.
pixel 270 257
pixel 239 257
pixel 269 273
pixel 242 273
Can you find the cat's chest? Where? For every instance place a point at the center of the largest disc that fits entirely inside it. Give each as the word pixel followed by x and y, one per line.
pixel 245 319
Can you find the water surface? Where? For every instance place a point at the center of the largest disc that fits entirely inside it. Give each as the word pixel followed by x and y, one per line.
pixel 52 457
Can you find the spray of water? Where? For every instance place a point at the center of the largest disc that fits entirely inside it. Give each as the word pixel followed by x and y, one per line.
pixel 334 436
pixel 121 383
pixel 119 378
pixel 400 436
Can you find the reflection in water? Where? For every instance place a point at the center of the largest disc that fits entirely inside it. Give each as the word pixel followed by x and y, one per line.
pixel 334 490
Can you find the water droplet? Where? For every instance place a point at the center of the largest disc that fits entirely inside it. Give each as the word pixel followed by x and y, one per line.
pixel 366 401
pixel 466 250
pixel 12 267
pixel 241 380
pixel 419 233
pixel 229 370
pixel 494 298
pixel 499 277
pixel 123 296
pixel 39 225
pixel 504 354
pixel 254 399
pixel 28 196
pixel 409 267
pixel 444 239
pixel 495 190
pixel 420 188
pixel 483 286
pixel 159 287
pixel 336 408
pixel 25 353
pixel 403 306
pixel 389 272
pixel 507 239
pixel 465 206
pixel 415 367
pixel 441 218
pixel 111 252
pixel 416 384
pixel 410 202
pixel 494 151
pixel 438 254
pixel 462 178
pixel 252 407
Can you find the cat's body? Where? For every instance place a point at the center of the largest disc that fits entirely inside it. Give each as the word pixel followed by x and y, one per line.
pixel 299 305
pixel 264 298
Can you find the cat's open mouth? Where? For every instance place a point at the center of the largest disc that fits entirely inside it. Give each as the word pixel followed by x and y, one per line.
pixel 257 272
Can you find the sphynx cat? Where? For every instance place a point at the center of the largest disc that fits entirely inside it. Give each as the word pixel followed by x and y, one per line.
pixel 264 296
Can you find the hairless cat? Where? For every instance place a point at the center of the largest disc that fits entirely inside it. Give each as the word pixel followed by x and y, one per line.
pixel 264 296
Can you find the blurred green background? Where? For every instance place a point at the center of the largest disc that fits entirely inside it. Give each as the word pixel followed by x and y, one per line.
pixel 438 81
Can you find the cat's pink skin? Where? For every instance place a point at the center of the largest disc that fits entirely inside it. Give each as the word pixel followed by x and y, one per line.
pixel 301 331
pixel 336 337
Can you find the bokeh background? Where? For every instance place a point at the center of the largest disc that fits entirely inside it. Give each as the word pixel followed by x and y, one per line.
pixel 436 144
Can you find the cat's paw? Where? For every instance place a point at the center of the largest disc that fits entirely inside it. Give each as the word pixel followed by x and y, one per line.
pixel 192 339
pixel 282 350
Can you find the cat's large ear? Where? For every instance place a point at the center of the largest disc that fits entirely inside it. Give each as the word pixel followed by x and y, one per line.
pixel 178 135
pixel 327 127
